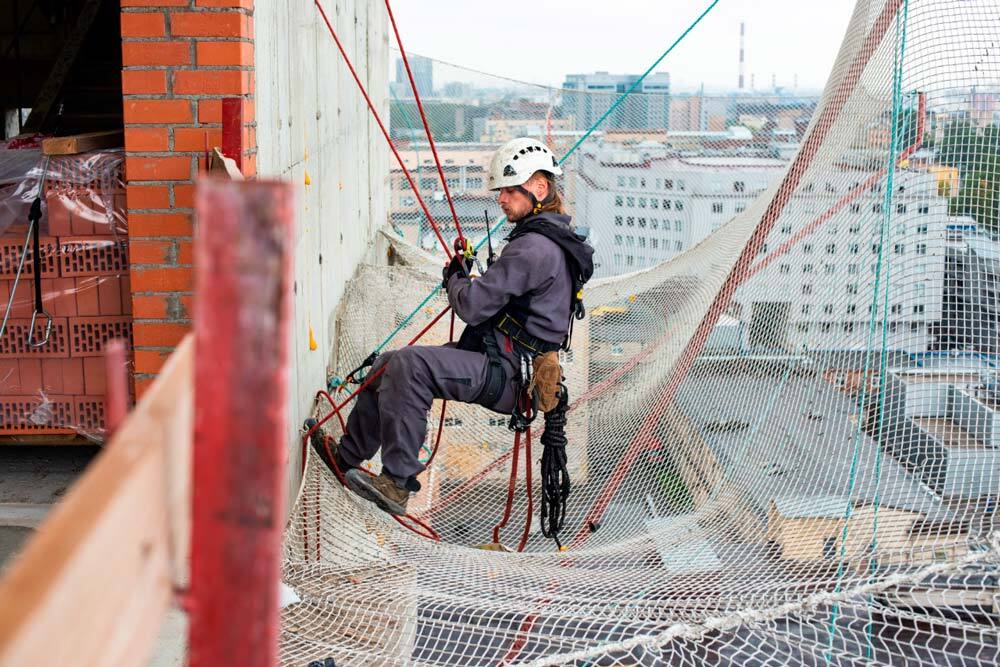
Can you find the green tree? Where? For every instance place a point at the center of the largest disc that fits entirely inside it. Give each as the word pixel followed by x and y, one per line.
pixel 976 154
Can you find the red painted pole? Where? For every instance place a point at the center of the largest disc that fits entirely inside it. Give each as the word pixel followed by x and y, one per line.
pixel 242 316
pixel 232 129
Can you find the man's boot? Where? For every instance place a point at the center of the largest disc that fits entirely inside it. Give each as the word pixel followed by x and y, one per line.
pixel 326 445
pixel 381 490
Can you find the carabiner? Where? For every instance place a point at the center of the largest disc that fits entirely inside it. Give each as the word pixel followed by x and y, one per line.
pixel 31 330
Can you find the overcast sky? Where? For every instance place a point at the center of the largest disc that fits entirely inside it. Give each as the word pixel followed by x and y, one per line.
pixel 540 41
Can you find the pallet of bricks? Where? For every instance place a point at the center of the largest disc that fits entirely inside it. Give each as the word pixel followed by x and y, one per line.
pixel 56 391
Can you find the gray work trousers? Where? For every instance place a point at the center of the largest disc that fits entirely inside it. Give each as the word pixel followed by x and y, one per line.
pixel 391 413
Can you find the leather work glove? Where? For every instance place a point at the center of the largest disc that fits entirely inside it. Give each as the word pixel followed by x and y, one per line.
pixel 546 380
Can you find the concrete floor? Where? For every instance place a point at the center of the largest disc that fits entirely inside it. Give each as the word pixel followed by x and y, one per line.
pixel 32 480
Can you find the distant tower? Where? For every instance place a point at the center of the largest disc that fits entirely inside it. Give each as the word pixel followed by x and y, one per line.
pixel 774 82
pixel 795 82
pixel 742 61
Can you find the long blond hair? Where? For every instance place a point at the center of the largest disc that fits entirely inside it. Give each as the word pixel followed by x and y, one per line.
pixel 553 203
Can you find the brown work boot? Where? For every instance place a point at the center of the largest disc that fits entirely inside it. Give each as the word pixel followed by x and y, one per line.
pixel 381 490
pixel 325 446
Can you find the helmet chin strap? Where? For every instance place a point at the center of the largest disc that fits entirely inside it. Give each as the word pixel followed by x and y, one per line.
pixel 536 206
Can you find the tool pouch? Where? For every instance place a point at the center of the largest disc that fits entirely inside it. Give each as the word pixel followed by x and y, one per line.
pixel 546 380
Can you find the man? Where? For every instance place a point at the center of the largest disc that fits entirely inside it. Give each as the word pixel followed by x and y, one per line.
pixel 521 307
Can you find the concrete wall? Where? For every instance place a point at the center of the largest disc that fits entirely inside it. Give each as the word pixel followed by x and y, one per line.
pixel 977 418
pixel 313 125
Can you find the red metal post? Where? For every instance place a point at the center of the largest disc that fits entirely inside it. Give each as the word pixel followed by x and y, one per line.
pixel 242 317
pixel 232 129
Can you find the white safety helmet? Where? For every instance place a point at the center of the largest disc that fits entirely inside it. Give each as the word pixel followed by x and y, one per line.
pixel 515 162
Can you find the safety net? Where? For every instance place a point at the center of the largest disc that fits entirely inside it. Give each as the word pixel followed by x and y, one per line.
pixel 784 415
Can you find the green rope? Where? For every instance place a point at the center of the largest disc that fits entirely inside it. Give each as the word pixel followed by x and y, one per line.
pixel 882 265
pixel 336 382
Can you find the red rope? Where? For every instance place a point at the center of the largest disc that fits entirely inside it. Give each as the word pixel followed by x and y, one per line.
pixel 385 133
pixel 527 482
pixel 423 118
pixel 512 481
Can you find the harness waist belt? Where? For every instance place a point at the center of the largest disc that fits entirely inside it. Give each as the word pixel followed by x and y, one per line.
pixel 519 335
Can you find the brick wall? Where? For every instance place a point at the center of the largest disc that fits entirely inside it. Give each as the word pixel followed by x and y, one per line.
pixel 180 59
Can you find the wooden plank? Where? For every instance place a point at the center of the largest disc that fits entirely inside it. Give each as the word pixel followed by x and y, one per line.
pixel 242 316
pixel 81 143
pixel 93 584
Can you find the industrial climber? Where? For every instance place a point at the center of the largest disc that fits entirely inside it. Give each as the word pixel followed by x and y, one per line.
pixel 518 314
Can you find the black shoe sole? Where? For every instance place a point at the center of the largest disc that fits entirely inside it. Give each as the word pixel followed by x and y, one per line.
pixel 317 440
pixel 360 483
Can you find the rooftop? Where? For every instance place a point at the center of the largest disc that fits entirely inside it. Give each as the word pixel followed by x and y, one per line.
pixel 807 453
pixel 948 432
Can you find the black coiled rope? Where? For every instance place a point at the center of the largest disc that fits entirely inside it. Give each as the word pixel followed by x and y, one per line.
pixel 555 476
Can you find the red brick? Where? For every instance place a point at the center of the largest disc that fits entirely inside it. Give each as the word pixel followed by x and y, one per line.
pixel 31 376
pixel 157 112
pixel 23 303
pixel 87 300
pixel 126 284
pixel 145 24
pixel 187 304
pixel 165 279
pixel 210 111
pixel 62 376
pixel 184 195
pixel 221 54
pixel 150 361
pixel 144 82
pixel 194 138
pixel 10 377
pixel 148 251
pixel 159 224
pixel 250 165
pixel 148 196
pixel 241 4
pixel 139 54
pixel 149 306
pixel 142 385
pixel 95 375
pixel 159 334
pixel 209 24
pixel 138 139
pixel 211 82
pixel 109 295
pixel 81 226
pixel 59 297
pixel 185 252
pixel 173 168
pixel 155 3
pixel 58 215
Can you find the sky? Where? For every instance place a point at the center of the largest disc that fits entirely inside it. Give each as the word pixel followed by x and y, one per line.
pixel 541 41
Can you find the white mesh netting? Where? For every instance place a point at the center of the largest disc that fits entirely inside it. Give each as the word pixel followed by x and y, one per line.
pixel 784 431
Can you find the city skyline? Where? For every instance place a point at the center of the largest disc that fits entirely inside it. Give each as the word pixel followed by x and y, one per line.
pixel 773 30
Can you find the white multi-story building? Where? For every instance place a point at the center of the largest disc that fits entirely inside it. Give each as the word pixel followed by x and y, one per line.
pixel 647 204
pixel 819 293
